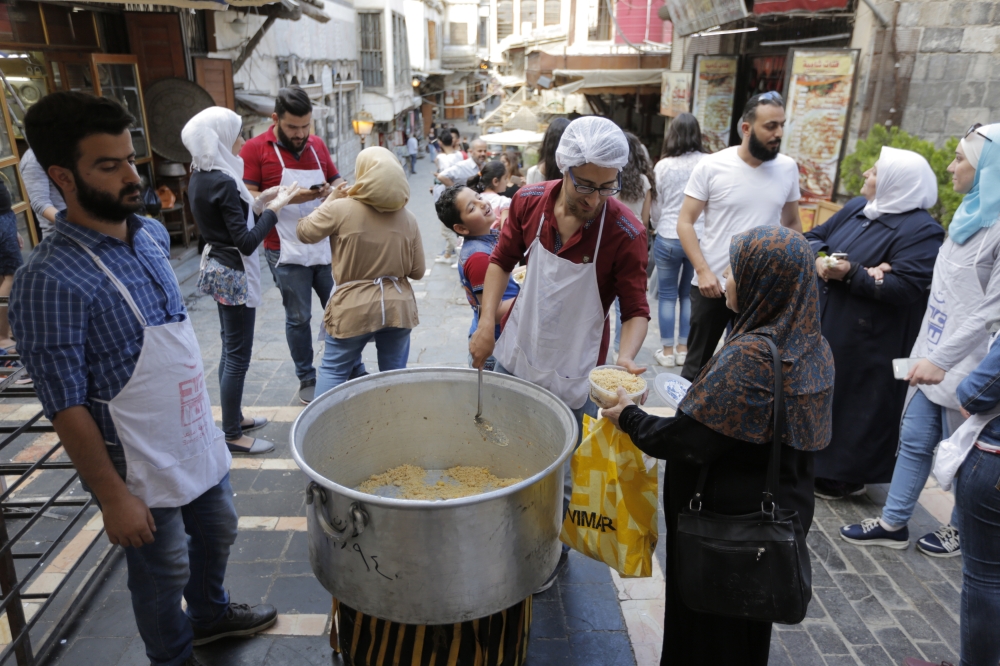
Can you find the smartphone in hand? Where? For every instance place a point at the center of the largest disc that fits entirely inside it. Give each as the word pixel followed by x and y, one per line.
pixel 901 366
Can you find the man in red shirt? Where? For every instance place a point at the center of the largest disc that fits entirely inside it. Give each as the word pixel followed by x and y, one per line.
pixel 583 249
pixel 288 152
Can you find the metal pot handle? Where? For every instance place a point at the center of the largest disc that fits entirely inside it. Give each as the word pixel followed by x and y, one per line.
pixel 357 517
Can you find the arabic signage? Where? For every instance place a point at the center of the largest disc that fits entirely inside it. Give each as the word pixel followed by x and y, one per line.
pixel 712 99
pixel 675 94
pixel 691 16
pixel 820 87
pixel 762 7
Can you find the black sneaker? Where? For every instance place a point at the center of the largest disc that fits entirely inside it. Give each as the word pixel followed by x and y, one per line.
pixel 551 580
pixel 307 391
pixel 837 490
pixel 239 620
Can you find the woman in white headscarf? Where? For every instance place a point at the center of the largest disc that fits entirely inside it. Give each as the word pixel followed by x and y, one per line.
pixel 232 225
pixel 870 319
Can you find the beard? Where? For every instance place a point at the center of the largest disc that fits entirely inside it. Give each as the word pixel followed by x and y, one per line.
pixel 295 144
pixel 104 205
pixel 760 150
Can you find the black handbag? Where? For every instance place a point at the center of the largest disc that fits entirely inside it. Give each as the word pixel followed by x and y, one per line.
pixel 750 566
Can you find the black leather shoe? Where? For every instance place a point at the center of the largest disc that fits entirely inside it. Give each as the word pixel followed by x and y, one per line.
pixel 239 620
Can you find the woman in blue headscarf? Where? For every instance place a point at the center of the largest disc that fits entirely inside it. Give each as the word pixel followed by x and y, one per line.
pixel 725 421
pixel 951 342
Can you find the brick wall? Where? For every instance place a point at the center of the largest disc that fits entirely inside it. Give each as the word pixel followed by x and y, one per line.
pixel 955 80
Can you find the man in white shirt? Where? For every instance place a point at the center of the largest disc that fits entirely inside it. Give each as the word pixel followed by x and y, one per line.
pixel 411 148
pixel 466 169
pixel 737 189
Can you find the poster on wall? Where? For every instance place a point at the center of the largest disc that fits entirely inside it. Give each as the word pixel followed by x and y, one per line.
pixel 762 7
pixel 675 94
pixel 712 99
pixel 691 16
pixel 819 91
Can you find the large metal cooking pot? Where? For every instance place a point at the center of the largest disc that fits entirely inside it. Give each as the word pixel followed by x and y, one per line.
pixel 433 562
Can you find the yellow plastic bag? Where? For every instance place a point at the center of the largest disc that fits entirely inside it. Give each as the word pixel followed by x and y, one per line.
pixel 612 513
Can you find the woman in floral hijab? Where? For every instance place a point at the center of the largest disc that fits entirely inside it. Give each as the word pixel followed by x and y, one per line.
pixel 725 421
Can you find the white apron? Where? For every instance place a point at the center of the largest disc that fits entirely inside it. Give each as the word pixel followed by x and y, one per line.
pixel 380 283
pixel 953 451
pixel 163 415
pixel 293 251
pixel 954 289
pixel 251 266
pixel 553 334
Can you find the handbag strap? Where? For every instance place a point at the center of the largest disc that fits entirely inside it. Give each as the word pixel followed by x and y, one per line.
pixel 774 460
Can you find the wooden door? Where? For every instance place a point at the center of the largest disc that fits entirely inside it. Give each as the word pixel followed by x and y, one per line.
pixel 455 110
pixel 216 76
pixel 156 41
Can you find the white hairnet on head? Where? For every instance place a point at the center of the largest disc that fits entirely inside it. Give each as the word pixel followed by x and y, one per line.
pixel 592 140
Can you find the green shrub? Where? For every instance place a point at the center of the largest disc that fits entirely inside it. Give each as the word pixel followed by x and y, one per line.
pixel 868 150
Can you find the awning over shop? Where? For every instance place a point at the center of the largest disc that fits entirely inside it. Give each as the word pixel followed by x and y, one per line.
pixel 514 138
pixel 217 5
pixel 691 17
pixel 261 104
pixel 608 78
pixel 510 81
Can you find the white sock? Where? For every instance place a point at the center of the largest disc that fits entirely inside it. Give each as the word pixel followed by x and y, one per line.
pixel 887 527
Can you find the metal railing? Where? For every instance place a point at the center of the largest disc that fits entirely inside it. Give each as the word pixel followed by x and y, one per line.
pixel 20 515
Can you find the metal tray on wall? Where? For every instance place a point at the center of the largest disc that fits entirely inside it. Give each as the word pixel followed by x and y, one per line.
pixel 170 104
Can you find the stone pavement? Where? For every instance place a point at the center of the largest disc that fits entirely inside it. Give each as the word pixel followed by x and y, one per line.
pixel 869 607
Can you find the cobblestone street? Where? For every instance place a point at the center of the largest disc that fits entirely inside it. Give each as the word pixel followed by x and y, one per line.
pixel 872 607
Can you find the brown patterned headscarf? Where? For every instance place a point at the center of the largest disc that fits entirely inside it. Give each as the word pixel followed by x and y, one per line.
pixel 776 291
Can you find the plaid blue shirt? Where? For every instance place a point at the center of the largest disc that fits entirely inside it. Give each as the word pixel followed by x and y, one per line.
pixel 77 336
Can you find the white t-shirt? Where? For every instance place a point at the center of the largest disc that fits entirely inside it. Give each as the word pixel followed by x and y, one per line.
pixel 739 197
pixel 445 160
pixel 672 175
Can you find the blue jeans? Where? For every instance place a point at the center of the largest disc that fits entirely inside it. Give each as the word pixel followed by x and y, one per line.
pixel 413 163
pixel 977 500
pixel 342 355
pixel 188 557
pixel 590 409
pixel 296 284
pixel 675 273
pixel 237 324
pixel 923 427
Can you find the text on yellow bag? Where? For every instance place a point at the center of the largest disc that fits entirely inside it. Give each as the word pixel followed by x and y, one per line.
pixel 612 513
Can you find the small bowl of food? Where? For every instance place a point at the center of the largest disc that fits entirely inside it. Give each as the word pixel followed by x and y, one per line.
pixel 604 383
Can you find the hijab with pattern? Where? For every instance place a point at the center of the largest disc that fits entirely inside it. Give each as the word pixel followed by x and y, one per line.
pixel 209 137
pixel 776 290
pixel 381 182
pixel 905 182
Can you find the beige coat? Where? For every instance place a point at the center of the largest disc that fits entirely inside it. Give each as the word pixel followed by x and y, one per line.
pixel 368 244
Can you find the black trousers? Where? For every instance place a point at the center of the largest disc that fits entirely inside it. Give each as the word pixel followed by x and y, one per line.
pixel 709 318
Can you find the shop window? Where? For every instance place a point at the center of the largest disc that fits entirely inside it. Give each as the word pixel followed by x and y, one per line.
pixel 459 34
pixel 370 48
pixel 505 19
pixel 599 23
pixel 553 12
pixel 528 14
pixel 400 51
pixel 432 40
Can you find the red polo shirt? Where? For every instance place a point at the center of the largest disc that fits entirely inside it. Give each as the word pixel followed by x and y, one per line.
pixel 621 261
pixel 262 169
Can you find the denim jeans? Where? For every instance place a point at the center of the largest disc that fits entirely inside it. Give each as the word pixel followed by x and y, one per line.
pixel 189 557
pixel 413 163
pixel 342 355
pixel 977 500
pixel 675 273
pixel 923 427
pixel 590 409
pixel 237 324
pixel 296 284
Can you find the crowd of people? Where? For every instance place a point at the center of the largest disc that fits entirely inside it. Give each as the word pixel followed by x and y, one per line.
pixel 98 319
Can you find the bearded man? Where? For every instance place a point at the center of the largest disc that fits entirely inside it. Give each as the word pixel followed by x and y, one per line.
pixel 102 329
pixel 739 188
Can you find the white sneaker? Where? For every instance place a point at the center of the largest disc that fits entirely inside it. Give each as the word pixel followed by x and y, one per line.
pixel 680 357
pixel 442 259
pixel 666 360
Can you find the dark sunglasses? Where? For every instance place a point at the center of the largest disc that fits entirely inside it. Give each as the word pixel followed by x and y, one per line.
pixel 974 128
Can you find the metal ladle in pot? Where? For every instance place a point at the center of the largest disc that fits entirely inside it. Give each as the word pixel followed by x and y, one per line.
pixel 486 429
